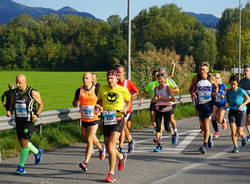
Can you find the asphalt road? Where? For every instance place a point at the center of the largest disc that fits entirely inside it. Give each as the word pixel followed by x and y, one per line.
pixel 176 164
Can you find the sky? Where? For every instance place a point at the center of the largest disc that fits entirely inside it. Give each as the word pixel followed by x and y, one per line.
pixel 102 9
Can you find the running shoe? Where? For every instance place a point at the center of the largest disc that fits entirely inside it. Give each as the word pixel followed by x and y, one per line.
pixel 210 143
pixel 20 170
pixel 131 146
pixel 102 152
pixel 174 139
pixel 224 124
pixel 216 134
pixel 248 138
pixel 84 166
pixel 203 149
pixel 38 156
pixel 120 150
pixel 235 149
pixel 243 141
pixel 110 178
pixel 122 162
pixel 158 148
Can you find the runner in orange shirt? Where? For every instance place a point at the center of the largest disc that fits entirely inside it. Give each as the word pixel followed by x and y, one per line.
pixel 86 99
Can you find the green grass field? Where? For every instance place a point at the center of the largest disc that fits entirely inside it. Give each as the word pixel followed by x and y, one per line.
pixel 56 88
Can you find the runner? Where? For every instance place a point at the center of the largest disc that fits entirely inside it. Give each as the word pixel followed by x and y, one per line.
pixel 150 91
pixel 97 84
pixel 6 97
pixel 86 99
pixel 127 127
pixel 237 99
pixel 23 102
pixel 245 84
pixel 174 89
pixel 163 108
pixel 201 90
pixel 112 98
pixel 219 107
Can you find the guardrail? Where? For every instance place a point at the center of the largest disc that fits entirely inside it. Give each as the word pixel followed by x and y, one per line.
pixel 59 115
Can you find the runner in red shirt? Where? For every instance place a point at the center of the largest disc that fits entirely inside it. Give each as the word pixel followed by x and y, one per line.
pixel 134 92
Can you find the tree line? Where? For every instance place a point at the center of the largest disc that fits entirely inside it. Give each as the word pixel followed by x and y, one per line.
pixel 74 43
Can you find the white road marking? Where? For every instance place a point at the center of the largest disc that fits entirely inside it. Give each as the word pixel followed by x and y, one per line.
pixel 183 170
pixel 182 145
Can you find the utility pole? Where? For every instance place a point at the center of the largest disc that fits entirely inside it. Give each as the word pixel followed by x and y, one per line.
pixel 239 41
pixel 129 40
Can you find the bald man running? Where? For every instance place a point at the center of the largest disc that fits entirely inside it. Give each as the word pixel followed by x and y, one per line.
pixel 23 103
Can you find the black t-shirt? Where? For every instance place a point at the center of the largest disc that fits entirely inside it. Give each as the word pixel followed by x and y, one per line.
pixel 9 98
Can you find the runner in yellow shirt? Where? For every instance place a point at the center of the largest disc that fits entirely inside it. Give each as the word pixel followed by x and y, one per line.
pixel 114 101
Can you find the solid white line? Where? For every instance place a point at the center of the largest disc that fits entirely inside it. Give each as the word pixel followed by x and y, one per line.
pixel 183 170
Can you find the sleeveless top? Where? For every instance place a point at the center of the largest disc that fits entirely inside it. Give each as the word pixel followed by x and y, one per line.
pixel 24 105
pixel 204 90
pixel 87 102
pixel 163 105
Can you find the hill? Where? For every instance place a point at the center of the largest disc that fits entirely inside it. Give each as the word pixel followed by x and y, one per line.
pixel 10 9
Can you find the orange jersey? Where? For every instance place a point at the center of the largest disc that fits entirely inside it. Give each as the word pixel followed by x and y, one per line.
pixel 131 88
pixel 87 102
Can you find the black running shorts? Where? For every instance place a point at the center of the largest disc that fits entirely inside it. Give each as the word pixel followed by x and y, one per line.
pixel 24 130
pixel 108 129
pixel 86 124
pixel 236 116
pixel 205 110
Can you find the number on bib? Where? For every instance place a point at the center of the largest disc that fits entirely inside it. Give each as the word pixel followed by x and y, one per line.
pixel 110 117
pixel 21 110
pixel 87 111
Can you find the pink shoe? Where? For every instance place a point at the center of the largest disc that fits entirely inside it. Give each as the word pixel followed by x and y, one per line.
pixel 224 124
pixel 216 134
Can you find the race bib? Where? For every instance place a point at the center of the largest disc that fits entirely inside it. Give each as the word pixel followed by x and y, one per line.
pixel 21 110
pixel 109 117
pixel 87 111
pixel 204 97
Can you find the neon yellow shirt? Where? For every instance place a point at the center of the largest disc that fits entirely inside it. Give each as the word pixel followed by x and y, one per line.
pixel 150 88
pixel 171 83
pixel 113 99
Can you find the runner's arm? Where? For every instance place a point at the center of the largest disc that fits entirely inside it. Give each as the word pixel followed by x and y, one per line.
pixel 247 100
pixel 75 102
pixel 37 97
pixel 191 89
pixel 170 98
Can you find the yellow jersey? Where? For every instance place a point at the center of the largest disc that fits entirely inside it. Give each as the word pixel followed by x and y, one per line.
pixel 113 99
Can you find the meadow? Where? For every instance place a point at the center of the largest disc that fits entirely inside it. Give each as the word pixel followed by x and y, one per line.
pixel 56 88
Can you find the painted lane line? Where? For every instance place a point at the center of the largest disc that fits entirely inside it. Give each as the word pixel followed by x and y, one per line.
pixel 185 169
pixel 186 141
pixel 183 144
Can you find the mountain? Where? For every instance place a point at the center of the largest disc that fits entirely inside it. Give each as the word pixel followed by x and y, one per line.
pixel 208 20
pixel 10 9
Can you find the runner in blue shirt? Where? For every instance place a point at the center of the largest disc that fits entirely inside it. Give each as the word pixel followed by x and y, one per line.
pixel 219 108
pixel 237 99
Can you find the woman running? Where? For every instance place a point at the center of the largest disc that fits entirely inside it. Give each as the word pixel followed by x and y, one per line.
pixel 219 107
pixel 237 100
pixel 163 108
pixel 86 99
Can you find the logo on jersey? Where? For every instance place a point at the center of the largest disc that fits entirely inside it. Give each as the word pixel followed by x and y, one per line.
pixel 111 97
